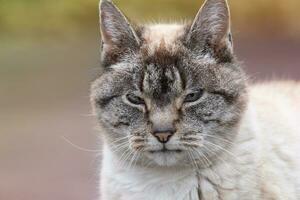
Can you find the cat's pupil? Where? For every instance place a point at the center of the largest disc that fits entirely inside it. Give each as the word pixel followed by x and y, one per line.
pixel 135 99
pixel 192 97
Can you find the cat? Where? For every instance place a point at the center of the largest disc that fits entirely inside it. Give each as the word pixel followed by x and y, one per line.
pixel 180 121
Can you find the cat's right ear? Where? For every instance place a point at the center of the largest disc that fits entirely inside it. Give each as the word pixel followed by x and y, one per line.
pixel 210 31
pixel 117 34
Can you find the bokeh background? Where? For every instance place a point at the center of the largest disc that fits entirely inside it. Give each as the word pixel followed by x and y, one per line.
pixel 49 54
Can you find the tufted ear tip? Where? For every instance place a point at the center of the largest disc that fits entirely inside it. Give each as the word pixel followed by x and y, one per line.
pixel 105 3
pixel 211 28
pixel 115 27
pixel 117 34
pixel 213 18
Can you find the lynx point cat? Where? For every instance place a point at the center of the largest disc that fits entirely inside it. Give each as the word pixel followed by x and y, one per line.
pixel 179 121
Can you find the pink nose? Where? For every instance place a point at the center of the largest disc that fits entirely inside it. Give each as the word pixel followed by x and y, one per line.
pixel 163 137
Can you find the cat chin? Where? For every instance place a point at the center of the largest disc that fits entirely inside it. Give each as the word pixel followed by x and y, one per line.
pixel 165 159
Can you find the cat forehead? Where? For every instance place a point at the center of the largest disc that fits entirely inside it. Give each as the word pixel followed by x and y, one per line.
pixel 161 44
pixel 167 35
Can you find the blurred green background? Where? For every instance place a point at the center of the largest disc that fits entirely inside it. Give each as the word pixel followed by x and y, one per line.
pixel 49 54
pixel 41 18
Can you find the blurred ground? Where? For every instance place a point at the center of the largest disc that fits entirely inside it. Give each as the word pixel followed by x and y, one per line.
pixel 46 69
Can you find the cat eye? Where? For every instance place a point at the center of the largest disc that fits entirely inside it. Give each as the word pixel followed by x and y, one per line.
pixel 193 96
pixel 134 99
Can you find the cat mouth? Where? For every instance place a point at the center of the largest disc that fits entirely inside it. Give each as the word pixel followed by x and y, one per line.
pixel 164 150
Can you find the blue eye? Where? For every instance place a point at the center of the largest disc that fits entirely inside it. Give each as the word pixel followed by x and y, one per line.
pixel 193 96
pixel 135 99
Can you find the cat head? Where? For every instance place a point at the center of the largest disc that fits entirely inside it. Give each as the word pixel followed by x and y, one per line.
pixel 169 95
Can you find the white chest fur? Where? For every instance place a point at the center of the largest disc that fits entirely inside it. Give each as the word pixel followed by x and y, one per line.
pixel 147 184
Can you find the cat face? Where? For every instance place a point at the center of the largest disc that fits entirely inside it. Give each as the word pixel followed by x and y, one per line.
pixel 170 95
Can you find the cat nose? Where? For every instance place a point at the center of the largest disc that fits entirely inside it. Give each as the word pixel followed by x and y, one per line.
pixel 163 121
pixel 163 135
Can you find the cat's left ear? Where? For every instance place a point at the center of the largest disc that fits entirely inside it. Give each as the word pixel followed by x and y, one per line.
pixel 117 34
pixel 210 31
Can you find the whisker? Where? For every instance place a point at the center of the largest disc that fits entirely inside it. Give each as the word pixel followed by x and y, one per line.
pixel 116 145
pixel 208 163
pixel 123 157
pixel 221 148
pixel 230 167
pixel 121 139
pixel 192 159
pixel 133 159
pixel 201 154
pixel 88 115
pixel 135 163
pixel 119 148
pixel 190 144
pixel 130 155
pixel 221 139
pixel 224 163
pixel 79 147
